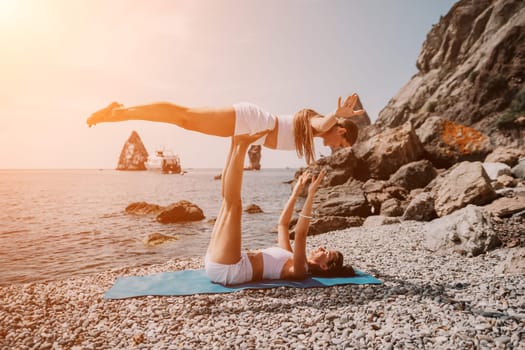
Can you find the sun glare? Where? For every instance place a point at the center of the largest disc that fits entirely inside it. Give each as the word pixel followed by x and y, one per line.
pixel 9 12
pixel 7 8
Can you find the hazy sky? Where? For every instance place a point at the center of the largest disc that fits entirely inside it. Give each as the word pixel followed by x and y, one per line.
pixel 62 60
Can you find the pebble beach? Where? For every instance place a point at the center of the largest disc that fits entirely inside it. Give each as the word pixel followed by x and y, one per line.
pixel 427 301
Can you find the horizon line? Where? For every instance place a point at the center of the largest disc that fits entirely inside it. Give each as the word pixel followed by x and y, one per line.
pixel 113 169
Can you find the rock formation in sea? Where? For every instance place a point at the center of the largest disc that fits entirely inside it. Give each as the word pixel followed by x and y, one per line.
pixel 181 211
pixel 254 155
pixel 452 138
pixel 133 155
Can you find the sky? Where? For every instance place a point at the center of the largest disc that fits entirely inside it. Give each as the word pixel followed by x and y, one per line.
pixel 61 60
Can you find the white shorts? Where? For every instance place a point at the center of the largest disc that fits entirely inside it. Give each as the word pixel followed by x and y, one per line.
pixel 251 119
pixel 226 274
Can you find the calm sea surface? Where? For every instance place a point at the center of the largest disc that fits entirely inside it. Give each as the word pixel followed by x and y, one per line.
pixel 58 223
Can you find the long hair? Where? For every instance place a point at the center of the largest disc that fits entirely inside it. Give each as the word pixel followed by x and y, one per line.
pixel 304 134
pixel 335 268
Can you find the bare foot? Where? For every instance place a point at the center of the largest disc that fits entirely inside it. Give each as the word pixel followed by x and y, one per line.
pixel 103 115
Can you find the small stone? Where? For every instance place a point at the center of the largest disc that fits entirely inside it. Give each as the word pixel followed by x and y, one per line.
pixel 502 340
pixel 388 346
pixel 138 338
pixel 337 341
pixel 359 335
pixel 441 339
pixel 45 346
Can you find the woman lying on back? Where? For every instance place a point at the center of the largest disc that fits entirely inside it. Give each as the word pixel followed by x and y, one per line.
pixel 227 263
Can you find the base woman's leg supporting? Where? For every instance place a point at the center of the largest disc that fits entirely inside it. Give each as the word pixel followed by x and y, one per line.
pixel 226 239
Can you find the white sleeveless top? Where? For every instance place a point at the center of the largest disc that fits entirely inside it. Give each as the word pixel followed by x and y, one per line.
pixel 251 119
pixel 285 134
pixel 274 259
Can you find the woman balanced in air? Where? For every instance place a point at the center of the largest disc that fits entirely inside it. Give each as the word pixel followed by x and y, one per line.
pixel 227 263
pixel 285 132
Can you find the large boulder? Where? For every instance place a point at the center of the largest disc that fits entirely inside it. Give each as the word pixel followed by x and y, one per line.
pixel 420 208
pixel 504 181
pixel 392 207
pixel 133 155
pixel 378 191
pixel 465 183
pixel 495 170
pixel 447 143
pixel 324 224
pixel 519 170
pixel 507 155
pixel 343 200
pixel 414 175
pixel 386 152
pixel 342 165
pixel 514 262
pixel 506 206
pixel 468 231
pixel 180 211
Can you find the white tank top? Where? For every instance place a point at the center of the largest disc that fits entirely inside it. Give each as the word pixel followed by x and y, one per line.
pixel 274 259
pixel 285 134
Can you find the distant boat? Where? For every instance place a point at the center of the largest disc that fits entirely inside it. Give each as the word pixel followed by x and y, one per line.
pixel 165 162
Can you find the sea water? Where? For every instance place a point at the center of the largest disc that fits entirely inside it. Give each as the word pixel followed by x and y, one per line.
pixel 56 224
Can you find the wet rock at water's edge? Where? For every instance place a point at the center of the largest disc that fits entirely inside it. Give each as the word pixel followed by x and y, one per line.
pixel 180 211
pixel 253 209
pixel 156 238
pixel 143 208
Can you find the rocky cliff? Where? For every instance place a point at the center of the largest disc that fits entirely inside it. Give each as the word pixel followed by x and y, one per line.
pixel 471 71
pixel 452 137
pixel 133 155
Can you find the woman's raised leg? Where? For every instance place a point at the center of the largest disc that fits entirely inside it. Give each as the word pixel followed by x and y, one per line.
pixel 226 238
pixel 209 121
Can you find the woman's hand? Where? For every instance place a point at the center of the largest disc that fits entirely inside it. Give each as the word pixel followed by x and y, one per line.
pixel 104 115
pixel 248 139
pixel 301 181
pixel 347 109
pixel 316 181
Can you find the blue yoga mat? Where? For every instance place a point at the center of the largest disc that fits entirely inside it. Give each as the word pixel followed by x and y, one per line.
pixel 189 282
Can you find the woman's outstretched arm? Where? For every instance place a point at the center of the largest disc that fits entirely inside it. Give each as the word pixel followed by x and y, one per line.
pixel 302 226
pixel 283 237
pixel 346 110
pixel 210 121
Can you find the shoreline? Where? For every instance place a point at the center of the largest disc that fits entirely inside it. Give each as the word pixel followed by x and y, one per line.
pixel 427 300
